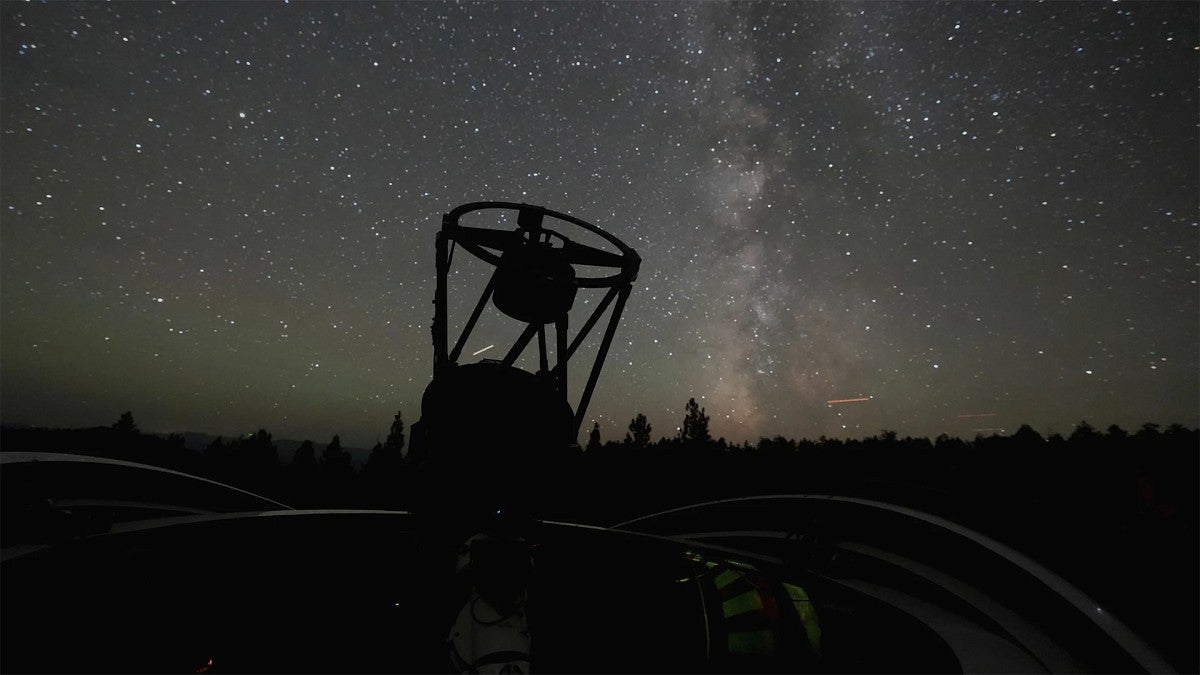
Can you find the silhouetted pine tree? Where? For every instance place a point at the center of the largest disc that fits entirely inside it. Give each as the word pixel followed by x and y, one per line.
pixel 125 424
pixel 594 438
pixel 695 425
pixel 335 462
pixel 382 473
pixel 1027 436
pixel 385 457
pixel 305 458
pixel 256 462
pixel 218 460
pixel 639 432
pixel 1084 435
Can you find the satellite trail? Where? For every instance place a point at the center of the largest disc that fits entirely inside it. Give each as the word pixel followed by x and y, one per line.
pixel 483 350
pixel 849 400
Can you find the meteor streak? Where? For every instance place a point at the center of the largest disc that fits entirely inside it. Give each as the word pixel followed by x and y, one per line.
pixel 483 350
pixel 849 400
pixel 968 415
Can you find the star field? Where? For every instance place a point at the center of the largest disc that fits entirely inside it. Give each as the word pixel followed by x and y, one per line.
pixel 221 216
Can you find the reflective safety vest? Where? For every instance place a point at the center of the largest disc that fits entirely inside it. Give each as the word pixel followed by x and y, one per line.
pixel 750 615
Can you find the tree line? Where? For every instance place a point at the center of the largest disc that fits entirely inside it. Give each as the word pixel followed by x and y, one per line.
pixel 1114 510
pixel 1151 464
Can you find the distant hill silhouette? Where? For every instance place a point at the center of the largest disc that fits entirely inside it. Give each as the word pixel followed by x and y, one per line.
pixel 198 441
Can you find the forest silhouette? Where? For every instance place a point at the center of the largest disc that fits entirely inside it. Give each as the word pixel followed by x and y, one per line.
pixel 1113 511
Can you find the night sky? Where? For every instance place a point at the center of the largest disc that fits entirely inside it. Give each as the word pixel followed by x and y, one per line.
pixel 221 216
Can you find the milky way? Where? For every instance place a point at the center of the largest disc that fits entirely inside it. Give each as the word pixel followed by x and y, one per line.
pixel 973 215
